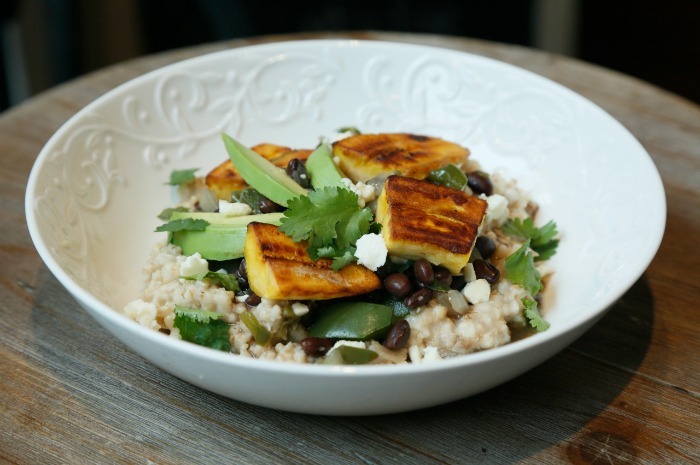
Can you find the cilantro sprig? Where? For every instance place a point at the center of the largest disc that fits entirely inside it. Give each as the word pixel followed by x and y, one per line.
pixel 331 220
pixel 202 327
pixel 521 270
pixel 168 212
pixel 542 240
pixel 178 177
pixel 184 224
pixel 227 281
pixel 533 315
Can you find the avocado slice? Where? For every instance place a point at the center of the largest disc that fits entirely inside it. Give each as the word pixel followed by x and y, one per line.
pixel 224 237
pixel 321 168
pixel 268 179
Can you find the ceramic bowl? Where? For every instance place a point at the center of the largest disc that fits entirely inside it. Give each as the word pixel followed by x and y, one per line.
pixel 97 187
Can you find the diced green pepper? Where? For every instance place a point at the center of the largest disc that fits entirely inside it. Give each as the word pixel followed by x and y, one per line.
pixel 359 321
pixel 449 176
pixel 260 333
pixel 250 197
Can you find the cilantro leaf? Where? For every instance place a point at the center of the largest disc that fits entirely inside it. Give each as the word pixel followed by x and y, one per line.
pixel 167 213
pixel 331 220
pixel 178 177
pixel 184 224
pixel 521 270
pixel 347 257
pixel 202 327
pixel 356 225
pixel 542 240
pixel 227 281
pixel 533 315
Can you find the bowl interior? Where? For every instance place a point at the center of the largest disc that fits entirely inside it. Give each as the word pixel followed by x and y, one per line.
pixel 98 184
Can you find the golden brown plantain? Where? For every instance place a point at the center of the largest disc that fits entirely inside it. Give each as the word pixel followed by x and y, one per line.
pixel 224 179
pixel 279 268
pixel 364 156
pixel 425 220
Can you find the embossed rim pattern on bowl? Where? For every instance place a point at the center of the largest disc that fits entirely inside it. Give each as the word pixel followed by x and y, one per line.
pixel 579 163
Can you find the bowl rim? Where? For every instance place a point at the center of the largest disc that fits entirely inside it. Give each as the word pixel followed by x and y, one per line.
pixel 92 303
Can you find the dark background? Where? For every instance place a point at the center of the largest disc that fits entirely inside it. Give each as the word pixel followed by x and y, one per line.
pixel 46 42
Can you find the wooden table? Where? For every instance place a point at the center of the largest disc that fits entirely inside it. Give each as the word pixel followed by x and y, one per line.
pixel 626 392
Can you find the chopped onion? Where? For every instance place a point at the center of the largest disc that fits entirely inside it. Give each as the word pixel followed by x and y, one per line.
pixel 208 201
pixel 453 300
pixel 457 301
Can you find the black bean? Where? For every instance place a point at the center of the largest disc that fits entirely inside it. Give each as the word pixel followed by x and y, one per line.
pixel 266 205
pixel 458 282
pixel 480 183
pixel 486 246
pixel 382 271
pixel 297 171
pixel 418 298
pixel 242 275
pixel 398 335
pixel 423 271
pixel 316 346
pixel 443 275
pixel 397 284
pixel 253 300
pixel 487 271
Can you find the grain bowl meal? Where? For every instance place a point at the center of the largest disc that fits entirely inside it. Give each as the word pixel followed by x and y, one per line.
pixel 371 248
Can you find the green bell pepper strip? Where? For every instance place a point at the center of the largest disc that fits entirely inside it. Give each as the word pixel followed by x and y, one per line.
pixel 357 321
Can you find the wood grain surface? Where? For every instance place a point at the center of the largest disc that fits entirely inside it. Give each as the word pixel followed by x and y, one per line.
pixel 628 391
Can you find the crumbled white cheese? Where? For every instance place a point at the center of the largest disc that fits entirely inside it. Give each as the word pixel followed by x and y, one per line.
pixel 477 291
pixel 365 192
pixel 300 309
pixel 427 355
pixel 497 209
pixel 193 265
pixel 469 273
pixel 340 135
pixel 357 344
pixel 234 208
pixel 371 251
pixel 431 354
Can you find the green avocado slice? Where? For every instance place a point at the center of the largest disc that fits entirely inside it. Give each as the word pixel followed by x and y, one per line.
pixel 268 179
pixel 321 168
pixel 224 237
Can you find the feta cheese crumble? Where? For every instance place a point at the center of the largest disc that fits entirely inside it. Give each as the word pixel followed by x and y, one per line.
pixel 356 344
pixel 371 251
pixel 497 209
pixel 234 208
pixel 365 192
pixel 194 265
pixel 477 291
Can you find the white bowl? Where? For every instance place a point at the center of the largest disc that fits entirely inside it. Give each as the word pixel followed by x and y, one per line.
pixel 97 186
